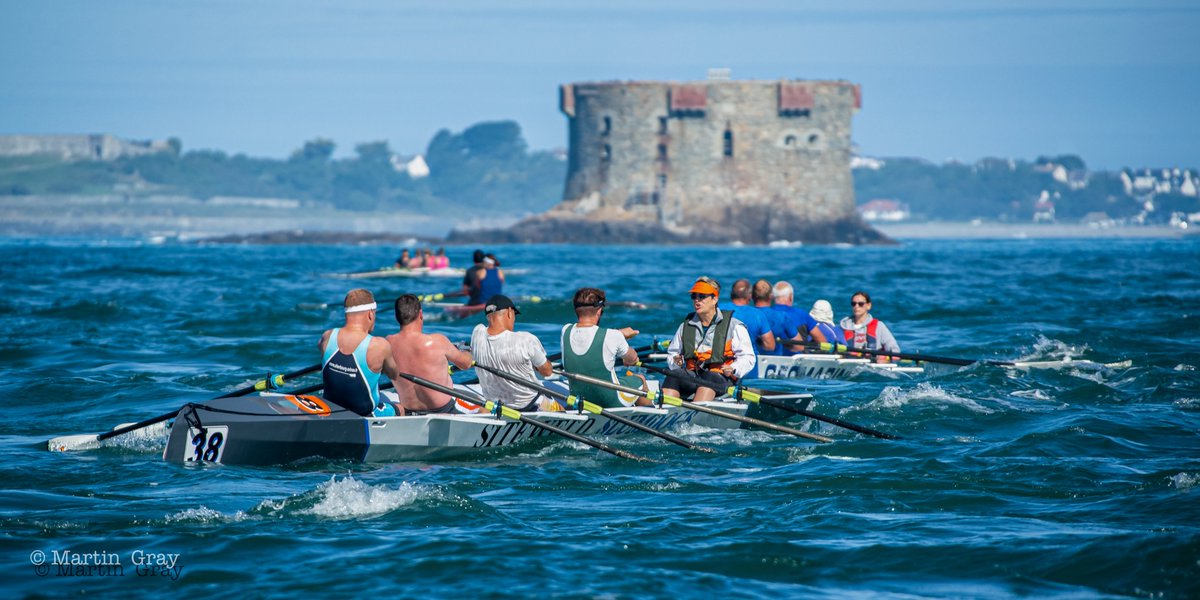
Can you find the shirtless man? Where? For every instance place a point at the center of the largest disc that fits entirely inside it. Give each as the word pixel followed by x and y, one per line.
pixel 352 359
pixel 424 355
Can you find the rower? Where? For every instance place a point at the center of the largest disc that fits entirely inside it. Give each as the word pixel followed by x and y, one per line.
pixel 519 353
pixel 761 294
pixel 353 359
pixel 483 280
pixel 588 349
pixel 711 345
pixel 822 311
pixel 424 355
pixel 753 318
pixel 402 262
pixel 861 330
pixel 801 327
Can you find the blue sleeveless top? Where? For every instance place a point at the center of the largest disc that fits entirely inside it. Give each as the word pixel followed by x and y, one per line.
pixel 349 382
pixel 832 334
pixel 489 286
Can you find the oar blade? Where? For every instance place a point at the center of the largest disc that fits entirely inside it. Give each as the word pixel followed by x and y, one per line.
pixel 73 443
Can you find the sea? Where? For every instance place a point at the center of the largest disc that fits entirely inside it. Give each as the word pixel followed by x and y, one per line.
pixel 1065 482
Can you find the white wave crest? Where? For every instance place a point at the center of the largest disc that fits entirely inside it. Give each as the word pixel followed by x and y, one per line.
pixel 349 498
pixel 1032 394
pixel 1047 349
pixel 1183 481
pixel 893 397
pixel 203 515
pixel 1184 367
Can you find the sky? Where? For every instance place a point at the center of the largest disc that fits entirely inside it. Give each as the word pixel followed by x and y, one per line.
pixel 1116 82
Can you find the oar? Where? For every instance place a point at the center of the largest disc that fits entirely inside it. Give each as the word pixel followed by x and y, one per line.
pixel 673 401
pixel 516 415
pixel 592 408
pixel 90 441
pixel 840 349
pixel 757 396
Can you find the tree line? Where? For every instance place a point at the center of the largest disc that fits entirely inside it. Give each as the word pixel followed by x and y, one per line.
pixel 489 167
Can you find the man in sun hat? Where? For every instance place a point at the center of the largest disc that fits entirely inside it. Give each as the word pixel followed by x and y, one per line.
pixel 710 344
pixel 352 359
pixel 519 353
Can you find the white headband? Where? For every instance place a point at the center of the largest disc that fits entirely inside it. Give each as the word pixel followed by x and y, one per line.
pixel 360 308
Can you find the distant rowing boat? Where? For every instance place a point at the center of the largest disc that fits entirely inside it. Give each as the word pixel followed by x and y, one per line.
pixel 829 366
pixel 415 272
pixel 278 429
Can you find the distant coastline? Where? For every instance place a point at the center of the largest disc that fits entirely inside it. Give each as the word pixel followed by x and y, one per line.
pixel 1010 231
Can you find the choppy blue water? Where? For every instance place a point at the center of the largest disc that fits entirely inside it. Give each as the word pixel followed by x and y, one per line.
pixel 1061 483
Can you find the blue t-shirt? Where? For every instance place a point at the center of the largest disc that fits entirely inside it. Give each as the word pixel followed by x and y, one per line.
pixel 756 324
pixel 779 326
pixel 795 321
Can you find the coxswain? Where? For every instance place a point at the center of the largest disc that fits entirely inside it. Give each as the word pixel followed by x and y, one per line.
pixel 353 359
pixel 592 350
pixel 711 345
pixel 497 345
pixel 426 355
pixel 861 330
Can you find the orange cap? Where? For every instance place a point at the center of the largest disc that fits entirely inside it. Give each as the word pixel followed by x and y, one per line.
pixel 703 287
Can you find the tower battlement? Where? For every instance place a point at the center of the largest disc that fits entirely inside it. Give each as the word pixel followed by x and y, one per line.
pixel 708 161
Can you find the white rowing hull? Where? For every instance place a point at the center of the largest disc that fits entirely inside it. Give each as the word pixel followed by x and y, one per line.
pixel 278 429
pixel 449 272
pixel 828 366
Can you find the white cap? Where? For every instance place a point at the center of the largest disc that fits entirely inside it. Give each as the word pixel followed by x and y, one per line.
pixel 822 311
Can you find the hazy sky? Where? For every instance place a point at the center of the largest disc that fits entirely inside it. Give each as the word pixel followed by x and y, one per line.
pixel 1117 82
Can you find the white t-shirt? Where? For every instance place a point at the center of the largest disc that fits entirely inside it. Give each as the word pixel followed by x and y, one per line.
pixel 615 344
pixel 514 352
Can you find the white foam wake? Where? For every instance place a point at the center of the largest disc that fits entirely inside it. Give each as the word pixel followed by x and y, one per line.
pixel 893 397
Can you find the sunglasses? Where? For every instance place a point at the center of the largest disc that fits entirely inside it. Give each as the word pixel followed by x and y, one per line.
pixel 853 303
pixel 699 296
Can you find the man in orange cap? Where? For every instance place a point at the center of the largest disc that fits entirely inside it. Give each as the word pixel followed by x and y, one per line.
pixel 711 345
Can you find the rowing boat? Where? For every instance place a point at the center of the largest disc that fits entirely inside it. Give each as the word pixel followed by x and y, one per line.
pixel 829 366
pixel 416 272
pixel 823 366
pixel 273 429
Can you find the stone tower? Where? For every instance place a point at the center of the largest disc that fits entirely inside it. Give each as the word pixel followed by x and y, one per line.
pixel 707 161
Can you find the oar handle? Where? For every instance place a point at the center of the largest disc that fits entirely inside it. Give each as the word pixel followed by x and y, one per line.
pixel 277 380
pixel 672 400
pixel 592 408
pixel 517 416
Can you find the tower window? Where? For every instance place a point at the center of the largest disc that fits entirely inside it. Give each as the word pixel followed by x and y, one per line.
pixel 662 152
pixel 662 180
pixel 607 125
pixel 662 126
pixel 606 152
pixel 728 143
